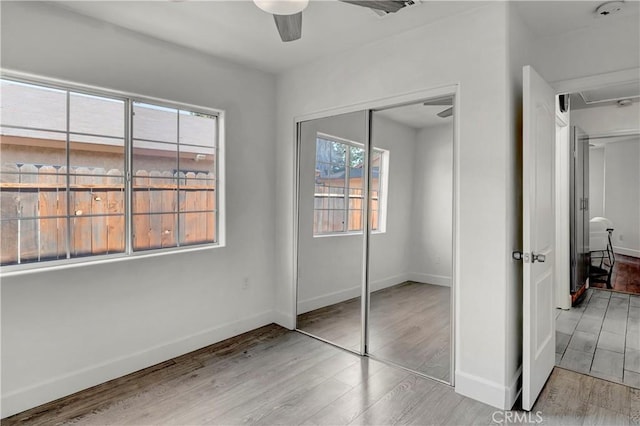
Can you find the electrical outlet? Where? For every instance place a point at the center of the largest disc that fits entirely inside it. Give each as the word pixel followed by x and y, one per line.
pixel 245 283
pixel 620 238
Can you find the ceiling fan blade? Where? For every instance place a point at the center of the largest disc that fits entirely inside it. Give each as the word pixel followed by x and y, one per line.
pixel 439 102
pixel 446 113
pixel 289 26
pixel 389 6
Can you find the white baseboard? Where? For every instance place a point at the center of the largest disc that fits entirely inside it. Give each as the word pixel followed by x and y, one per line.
pixel 388 282
pixel 497 395
pixel 626 251
pixel 342 295
pixel 31 396
pixel 313 303
pixel 328 299
pixel 430 278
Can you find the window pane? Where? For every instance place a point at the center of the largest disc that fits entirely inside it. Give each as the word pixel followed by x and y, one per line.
pixel 96 235
pixel 96 115
pixel 154 231
pixel 106 197
pixel 153 157
pixel 29 105
pixel 356 157
pixel 19 147
pixel 155 123
pixel 196 195
pixel 197 228
pixel 355 209
pixel 154 194
pixel 197 159
pixel 99 156
pixel 33 240
pixel 198 129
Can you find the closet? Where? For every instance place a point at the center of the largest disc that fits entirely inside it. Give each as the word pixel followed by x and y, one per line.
pixel 374 233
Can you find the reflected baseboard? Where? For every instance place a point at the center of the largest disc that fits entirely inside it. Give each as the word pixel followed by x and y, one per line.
pixel 328 299
pixel 332 298
pixel 429 279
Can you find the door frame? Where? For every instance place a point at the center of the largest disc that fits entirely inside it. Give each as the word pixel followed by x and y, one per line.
pixel 574 85
pixel 452 90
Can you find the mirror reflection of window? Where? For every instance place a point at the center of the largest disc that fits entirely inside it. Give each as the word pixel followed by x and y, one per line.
pixel 339 186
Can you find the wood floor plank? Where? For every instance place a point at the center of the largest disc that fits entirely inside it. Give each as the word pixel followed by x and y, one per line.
pixel 349 406
pixel 275 376
pixel 565 397
pixel 393 406
pixel 598 416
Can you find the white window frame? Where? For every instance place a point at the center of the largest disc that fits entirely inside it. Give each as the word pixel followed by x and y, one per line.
pixel 129 99
pixel 382 193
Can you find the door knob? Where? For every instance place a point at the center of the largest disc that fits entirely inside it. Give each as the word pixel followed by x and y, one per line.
pixel 538 257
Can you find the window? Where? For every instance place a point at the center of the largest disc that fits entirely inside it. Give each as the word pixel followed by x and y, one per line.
pixel 65 159
pixel 339 186
pixel 174 157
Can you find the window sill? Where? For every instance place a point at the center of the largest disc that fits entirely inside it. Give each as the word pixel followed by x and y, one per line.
pixel 31 268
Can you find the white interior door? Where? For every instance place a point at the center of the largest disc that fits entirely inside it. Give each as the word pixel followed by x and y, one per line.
pixel 538 235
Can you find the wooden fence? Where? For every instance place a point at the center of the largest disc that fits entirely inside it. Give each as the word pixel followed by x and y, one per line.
pixel 35 222
pixel 329 209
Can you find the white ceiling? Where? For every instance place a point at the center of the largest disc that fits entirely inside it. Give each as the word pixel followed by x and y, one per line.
pixel 238 30
pixel 551 18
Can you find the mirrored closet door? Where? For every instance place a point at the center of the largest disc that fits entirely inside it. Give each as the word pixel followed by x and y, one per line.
pixel 400 159
pixel 332 170
pixel 410 246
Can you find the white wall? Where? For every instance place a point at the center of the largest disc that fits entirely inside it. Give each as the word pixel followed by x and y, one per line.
pixel 622 194
pixel 596 182
pixel 389 252
pixel 469 49
pixel 431 259
pixel 330 267
pixel 520 47
pixel 68 329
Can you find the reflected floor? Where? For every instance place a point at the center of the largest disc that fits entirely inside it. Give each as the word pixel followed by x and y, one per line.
pixel 410 326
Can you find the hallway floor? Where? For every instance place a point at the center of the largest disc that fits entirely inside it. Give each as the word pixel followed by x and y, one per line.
pixel 601 337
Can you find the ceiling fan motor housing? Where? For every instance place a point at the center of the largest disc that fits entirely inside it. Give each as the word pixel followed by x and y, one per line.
pixel 610 8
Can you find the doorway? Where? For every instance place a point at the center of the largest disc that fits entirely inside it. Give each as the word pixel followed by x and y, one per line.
pixel 598 315
pixel 375 255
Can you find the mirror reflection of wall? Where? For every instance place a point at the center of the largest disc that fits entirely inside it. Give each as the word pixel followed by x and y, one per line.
pixel 331 156
pixel 410 263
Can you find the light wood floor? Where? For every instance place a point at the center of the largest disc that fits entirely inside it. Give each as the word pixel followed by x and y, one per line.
pixel 272 376
pixel 409 325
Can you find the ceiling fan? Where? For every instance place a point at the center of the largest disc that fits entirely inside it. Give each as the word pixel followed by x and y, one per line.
pixel 288 13
pixel 447 112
